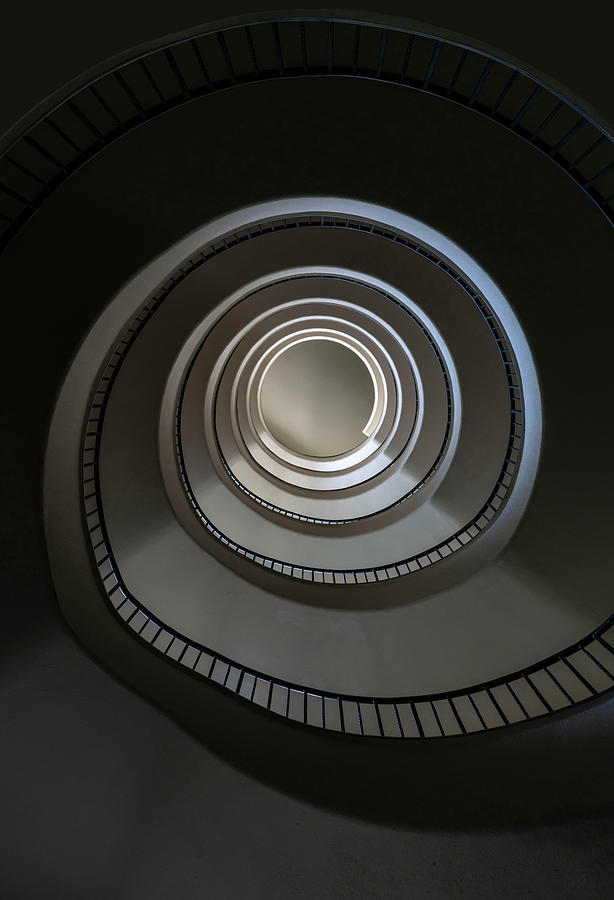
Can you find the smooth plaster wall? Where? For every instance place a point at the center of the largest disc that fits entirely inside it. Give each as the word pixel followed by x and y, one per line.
pixel 104 796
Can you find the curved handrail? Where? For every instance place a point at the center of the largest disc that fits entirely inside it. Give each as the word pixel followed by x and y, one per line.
pixel 110 105
pixel 42 157
pixel 580 672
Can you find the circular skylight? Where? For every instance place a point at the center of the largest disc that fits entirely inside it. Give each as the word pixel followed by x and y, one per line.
pixel 317 397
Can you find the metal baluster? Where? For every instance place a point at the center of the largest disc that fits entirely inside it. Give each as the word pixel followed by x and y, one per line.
pixel 201 64
pixel 504 92
pixel 222 42
pixel 280 59
pixel 252 50
pixel 168 53
pixel 547 120
pixel 153 83
pixel 432 64
pixel 407 57
pixel 485 72
pixel 567 137
pixel 457 71
pixel 382 53
pixel 129 93
pixel 98 96
pixel 84 119
pixel 529 103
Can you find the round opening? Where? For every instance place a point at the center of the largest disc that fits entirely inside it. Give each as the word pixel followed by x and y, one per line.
pixel 317 397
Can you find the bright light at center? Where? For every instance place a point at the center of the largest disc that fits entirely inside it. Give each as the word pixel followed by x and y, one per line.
pixel 317 397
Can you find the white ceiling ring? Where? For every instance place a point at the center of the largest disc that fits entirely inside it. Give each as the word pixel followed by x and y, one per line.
pixel 226 526
pixel 317 346
pixel 243 400
pixel 363 464
pixel 397 481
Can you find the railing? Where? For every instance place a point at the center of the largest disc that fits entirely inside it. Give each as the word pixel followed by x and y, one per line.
pixel 308 222
pixel 465 533
pixel 74 131
pixel 582 671
pixel 40 159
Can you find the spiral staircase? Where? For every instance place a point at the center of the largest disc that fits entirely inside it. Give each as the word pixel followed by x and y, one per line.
pixel 325 473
